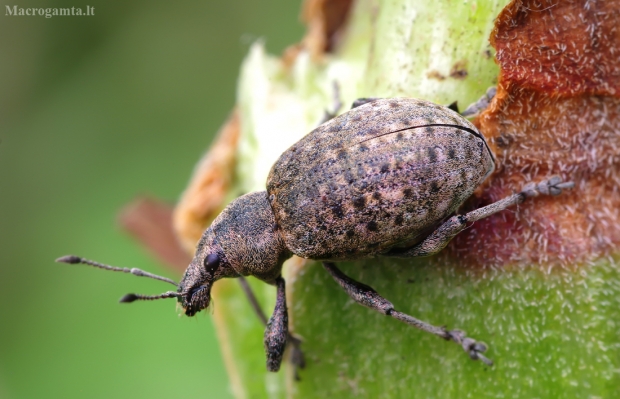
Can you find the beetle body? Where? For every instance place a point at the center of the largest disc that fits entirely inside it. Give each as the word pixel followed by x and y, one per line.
pixel 382 179
pixel 382 175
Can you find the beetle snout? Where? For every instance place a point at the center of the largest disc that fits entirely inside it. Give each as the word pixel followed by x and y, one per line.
pixel 196 299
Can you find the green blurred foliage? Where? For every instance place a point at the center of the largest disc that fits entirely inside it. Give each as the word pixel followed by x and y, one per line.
pixel 94 111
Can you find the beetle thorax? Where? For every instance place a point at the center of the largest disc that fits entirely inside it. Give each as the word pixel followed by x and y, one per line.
pixel 247 232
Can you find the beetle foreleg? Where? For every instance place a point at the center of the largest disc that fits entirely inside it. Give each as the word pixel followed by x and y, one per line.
pixel 439 238
pixel 365 295
pixel 277 329
pixel 297 355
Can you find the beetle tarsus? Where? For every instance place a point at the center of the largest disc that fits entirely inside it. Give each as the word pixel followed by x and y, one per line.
pixel 552 186
pixel 472 347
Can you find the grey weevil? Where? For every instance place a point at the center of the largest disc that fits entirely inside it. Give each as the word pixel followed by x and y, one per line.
pixel 383 179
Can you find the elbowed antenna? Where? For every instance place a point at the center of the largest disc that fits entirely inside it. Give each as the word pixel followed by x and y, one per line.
pixel 72 259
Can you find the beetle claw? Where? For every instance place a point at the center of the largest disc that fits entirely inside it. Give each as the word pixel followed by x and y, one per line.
pixel 552 186
pixel 471 346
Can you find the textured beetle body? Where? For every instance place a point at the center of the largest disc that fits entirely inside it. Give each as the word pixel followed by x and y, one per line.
pixel 380 176
pixel 382 179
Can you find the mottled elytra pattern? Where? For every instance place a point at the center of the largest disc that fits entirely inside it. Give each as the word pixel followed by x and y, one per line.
pixel 382 175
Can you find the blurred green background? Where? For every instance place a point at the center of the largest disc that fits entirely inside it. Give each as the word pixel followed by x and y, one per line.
pixel 94 111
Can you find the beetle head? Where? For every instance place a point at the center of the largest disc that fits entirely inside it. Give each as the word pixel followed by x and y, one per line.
pixel 243 240
pixel 209 264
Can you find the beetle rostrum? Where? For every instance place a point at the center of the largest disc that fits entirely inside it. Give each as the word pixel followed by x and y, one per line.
pixel 384 179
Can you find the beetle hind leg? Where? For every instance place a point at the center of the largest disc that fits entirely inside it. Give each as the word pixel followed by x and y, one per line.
pixel 439 238
pixel 365 295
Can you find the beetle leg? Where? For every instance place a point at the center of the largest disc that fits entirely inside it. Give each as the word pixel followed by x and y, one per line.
pixel 482 103
pixel 439 238
pixel 362 101
pixel 297 355
pixel 277 329
pixel 336 105
pixel 247 290
pixel 365 295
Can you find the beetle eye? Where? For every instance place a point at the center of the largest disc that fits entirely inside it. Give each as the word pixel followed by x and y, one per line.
pixel 212 262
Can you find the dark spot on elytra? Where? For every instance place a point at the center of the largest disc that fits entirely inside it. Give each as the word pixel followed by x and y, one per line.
pixel 363 148
pixel 337 210
pixel 434 187
pixel 399 136
pixel 408 193
pixel 342 154
pixel 376 195
pixel 385 168
pixel 350 233
pixel 394 104
pixel 349 176
pixel 359 202
pixel 398 220
pixel 372 226
pixel 335 128
pixel 373 132
pixel 356 118
pixel 432 155
pixel 451 153
pixel 468 153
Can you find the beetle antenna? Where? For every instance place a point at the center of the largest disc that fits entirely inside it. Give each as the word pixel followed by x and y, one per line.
pixel 72 259
pixel 136 297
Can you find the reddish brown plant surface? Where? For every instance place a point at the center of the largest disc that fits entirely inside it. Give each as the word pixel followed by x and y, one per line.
pixel 557 111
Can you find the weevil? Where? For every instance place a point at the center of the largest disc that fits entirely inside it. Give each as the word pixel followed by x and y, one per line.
pixel 383 179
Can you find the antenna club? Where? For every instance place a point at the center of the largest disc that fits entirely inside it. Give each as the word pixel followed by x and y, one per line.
pixel 71 259
pixel 128 298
